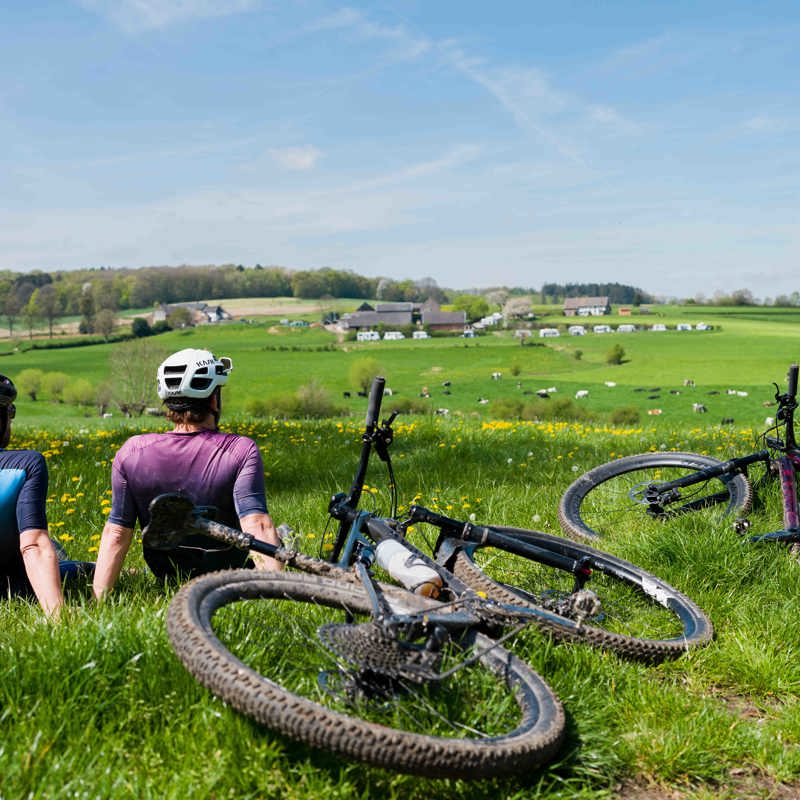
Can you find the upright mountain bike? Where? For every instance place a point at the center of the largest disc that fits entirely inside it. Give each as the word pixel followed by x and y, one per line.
pixel 664 485
pixel 414 677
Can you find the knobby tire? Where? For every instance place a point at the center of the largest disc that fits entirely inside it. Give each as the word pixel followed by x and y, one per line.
pixel 641 617
pixel 533 737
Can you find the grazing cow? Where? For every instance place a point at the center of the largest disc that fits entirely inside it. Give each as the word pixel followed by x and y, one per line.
pixel 611 384
pixel 727 421
pixel 388 392
pixel 741 394
pixel 346 395
pixel 362 394
pixel 551 389
pixel 674 391
pixel 654 412
pixel 496 376
pixel 542 393
pixel 442 412
pixel 482 401
pixel 688 382
pixel 699 408
pixel 445 383
pixel 769 421
pixel 581 393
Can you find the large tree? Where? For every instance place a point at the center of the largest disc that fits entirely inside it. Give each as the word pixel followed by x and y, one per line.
pixel 48 305
pixel 133 374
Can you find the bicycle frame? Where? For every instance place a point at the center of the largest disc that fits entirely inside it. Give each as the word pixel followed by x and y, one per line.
pixel 359 531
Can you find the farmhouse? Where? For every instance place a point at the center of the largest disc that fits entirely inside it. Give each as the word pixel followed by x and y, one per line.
pixel 399 315
pixel 586 306
pixel 389 317
pixel 437 320
pixel 201 313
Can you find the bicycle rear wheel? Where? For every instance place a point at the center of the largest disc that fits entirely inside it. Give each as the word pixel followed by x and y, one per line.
pixel 611 496
pixel 262 642
pixel 626 610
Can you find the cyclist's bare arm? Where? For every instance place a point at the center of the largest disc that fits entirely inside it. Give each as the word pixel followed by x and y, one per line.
pixel 41 567
pixel 114 545
pixel 261 527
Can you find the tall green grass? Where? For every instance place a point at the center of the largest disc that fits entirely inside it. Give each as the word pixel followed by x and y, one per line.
pixel 99 707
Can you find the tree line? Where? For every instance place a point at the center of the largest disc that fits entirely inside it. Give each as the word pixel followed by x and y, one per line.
pixel 29 300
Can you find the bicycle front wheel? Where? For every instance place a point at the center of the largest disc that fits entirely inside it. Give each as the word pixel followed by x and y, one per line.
pixel 612 496
pixel 280 647
pixel 620 607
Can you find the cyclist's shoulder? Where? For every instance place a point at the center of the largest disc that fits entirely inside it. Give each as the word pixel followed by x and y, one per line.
pixel 231 438
pixel 139 441
pixel 22 459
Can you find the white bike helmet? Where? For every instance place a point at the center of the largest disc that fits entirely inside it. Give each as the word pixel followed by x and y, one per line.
pixel 192 373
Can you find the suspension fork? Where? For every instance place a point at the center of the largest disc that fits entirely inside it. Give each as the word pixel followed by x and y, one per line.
pixel 786 468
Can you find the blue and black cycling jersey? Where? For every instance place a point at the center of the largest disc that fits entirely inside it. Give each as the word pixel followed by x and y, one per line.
pixel 23 493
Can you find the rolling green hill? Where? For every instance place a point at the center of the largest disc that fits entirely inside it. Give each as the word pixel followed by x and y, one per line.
pixel 745 351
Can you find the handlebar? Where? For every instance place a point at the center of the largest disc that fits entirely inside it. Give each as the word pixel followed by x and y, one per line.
pixel 791 381
pixel 374 403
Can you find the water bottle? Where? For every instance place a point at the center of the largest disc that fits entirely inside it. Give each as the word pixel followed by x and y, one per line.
pixel 407 568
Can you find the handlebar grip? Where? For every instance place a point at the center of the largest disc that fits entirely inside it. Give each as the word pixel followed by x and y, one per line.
pixel 374 405
pixel 791 387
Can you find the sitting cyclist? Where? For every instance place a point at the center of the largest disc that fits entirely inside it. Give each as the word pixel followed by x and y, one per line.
pixel 31 564
pixel 221 471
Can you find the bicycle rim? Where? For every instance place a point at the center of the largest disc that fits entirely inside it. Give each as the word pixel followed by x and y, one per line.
pixel 611 497
pixel 621 607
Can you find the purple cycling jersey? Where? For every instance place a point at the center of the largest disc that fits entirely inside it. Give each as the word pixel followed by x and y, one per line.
pixel 223 470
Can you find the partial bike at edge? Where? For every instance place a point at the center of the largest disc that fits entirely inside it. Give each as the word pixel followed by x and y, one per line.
pixel 415 677
pixel 664 485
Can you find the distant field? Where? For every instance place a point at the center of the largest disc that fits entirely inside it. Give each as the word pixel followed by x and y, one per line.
pixel 745 351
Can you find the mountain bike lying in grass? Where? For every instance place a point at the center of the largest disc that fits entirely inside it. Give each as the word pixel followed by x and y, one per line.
pixel 413 677
pixel 664 485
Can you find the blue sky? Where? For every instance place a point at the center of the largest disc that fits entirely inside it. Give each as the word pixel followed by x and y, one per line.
pixel 477 143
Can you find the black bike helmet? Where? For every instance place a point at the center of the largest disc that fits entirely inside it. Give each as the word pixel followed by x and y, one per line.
pixel 8 392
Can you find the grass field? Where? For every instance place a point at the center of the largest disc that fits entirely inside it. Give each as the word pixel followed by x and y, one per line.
pixel 99 706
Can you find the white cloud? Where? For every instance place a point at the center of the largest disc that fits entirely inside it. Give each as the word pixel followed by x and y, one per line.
pixel 134 16
pixel 298 159
pixel 611 120
pixel 407 46
pixel 763 123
